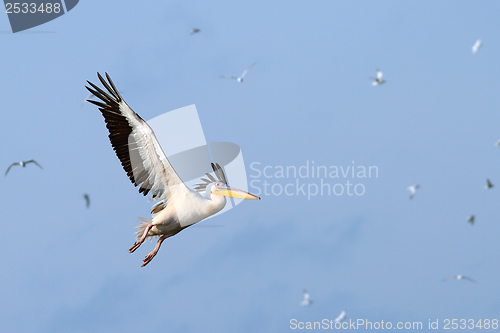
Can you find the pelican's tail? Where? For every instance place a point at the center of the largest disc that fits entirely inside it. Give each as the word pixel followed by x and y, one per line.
pixel 141 227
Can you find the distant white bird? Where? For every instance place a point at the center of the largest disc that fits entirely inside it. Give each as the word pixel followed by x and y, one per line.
pixel 87 98
pixel 87 199
pixel 460 277
pixel 488 184
pixel 194 30
pixel 239 79
pixel 471 219
pixel 23 164
pixel 307 300
pixel 378 79
pixel 413 189
pixel 498 143
pixel 341 317
pixel 476 46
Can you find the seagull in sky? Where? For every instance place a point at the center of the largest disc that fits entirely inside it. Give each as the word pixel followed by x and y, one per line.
pixel 194 30
pixel 341 317
pixel 378 80
pixel 23 164
pixel 471 219
pixel 488 184
pixel 307 301
pixel 476 46
pixel 87 199
pixel 87 98
pixel 239 79
pixel 460 277
pixel 413 189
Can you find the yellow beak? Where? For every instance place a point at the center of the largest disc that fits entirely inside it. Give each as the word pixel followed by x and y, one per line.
pixel 235 193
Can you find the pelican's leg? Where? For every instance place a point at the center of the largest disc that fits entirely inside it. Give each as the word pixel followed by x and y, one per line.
pixel 142 239
pixel 152 254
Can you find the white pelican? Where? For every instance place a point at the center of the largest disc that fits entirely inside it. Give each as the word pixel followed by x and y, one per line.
pixel 23 164
pixel 413 189
pixel 471 219
pixel 341 317
pixel 476 46
pixel 307 300
pixel 239 79
pixel 87 199
pixel 498 143
pixel 146 165
pixel 378 79
pixel 488 184
pixel 460 277
pixel 194 30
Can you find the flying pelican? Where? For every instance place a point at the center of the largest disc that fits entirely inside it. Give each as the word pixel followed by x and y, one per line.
pixel 341 317
pixel 498 143
pixel 378 79
pixel 146 165
pixel 194 30
pixel 239 79
pixel 476 46
pixel 307 301
pixel 488 184
pixel 87 199
pixel 413 189
pixel 23 164
pixel 461 277
pixel 471 219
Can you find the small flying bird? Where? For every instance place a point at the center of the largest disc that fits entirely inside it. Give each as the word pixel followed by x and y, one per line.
pixel 378 79
pixel 341 317
pixel 23 164
pixel 488 184
pixel 147 166
pixel 239 79
pixel 194 30
pixel 498 143
pixel 86 99
pixel 476 46
pixel 87 199
pixel 413 189
pixel 460 277
pixel 307 301
pixel 471 219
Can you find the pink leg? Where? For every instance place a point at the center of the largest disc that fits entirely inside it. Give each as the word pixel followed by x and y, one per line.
pixel 142 239
pixel 152 254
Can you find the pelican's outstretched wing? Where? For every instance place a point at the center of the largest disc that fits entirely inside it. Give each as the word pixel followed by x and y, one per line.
pixel 135 144
pixel 33 161
pixel 228 77
pixel 468 278
pixel 10 166
pixel 246 70
pixel 379 74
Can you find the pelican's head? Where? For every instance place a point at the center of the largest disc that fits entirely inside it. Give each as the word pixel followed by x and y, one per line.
pixel 227 191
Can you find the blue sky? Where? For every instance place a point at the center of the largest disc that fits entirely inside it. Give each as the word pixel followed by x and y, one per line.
pixel 380 256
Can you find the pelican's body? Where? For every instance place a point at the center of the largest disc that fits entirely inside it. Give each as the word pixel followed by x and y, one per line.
pixel 239 79
pixel 498 143
pixel 378 80
pixel 489 184
pixel 23 164
pixel 194 30
pixel 476 46
pixel 471 219
pixel 147 166
pixel 413 190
